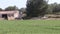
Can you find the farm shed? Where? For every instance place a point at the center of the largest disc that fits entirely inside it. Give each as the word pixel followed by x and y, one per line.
pixel 9 15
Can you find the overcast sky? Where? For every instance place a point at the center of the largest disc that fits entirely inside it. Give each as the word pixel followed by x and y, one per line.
pixel 52 1
pixel 18 3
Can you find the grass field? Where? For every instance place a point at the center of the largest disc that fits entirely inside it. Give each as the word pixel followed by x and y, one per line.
pixel 30 27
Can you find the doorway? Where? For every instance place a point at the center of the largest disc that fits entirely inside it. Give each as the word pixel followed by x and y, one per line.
pixel 4 16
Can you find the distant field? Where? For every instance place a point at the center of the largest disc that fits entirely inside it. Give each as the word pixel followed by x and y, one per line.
pixel 30 27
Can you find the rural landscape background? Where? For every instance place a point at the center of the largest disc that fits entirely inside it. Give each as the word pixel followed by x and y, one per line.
pixel 37 17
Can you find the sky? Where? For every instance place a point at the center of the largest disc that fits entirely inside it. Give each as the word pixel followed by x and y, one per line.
pixel 52 1
pixel 18 3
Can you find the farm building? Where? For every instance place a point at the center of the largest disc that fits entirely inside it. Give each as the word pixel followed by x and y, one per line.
pixel 9 15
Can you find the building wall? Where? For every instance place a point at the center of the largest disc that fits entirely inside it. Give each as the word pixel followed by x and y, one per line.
pixel 16 14
pixel 11 18
pixel 9 14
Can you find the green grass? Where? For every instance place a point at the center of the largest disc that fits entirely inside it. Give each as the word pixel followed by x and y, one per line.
pixel 30 27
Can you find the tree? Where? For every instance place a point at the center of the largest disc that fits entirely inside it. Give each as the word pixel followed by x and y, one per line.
pixel 53 8
pixel 10 8
pixel 22 12
pixel 56 9
pixel 36 8
pixel 1 9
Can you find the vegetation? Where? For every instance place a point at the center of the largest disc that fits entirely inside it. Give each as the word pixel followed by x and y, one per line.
pixel 53 8
pixel 11 8
pixel 36 8
pixel 30 27
pixel 1 9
